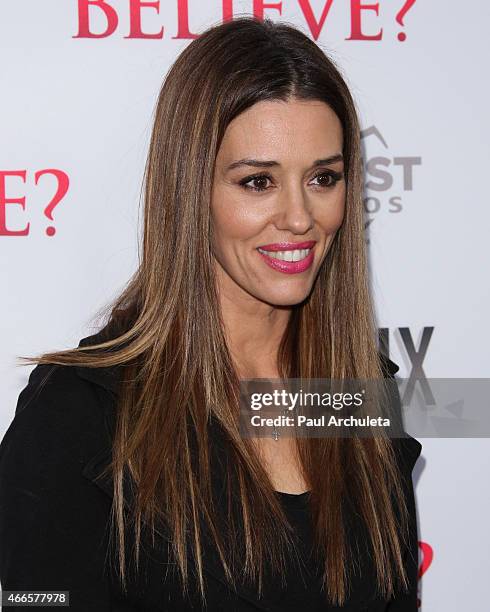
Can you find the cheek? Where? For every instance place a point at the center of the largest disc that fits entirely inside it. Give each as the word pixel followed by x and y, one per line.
pixel 234 218
pixel 331 215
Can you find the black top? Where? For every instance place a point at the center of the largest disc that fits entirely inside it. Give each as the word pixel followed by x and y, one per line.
pixel 303 591
pixel 54 513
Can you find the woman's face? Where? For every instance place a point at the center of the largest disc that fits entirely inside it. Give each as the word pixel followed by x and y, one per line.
pixel 278 199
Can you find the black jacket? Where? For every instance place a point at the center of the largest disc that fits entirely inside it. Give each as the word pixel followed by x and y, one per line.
pixel 54 514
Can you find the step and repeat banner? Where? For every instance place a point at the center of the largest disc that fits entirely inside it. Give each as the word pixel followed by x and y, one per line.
pixel 79 81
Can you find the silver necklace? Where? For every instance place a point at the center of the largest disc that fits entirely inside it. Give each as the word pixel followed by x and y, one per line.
pixel 275 432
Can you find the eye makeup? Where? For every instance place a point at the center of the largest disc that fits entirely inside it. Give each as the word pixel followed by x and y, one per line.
pixel 333 177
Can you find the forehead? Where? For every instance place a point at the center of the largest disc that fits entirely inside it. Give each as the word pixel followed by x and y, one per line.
pixel 275 129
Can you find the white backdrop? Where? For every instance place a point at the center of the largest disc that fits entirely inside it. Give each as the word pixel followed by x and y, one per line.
pixel 81 107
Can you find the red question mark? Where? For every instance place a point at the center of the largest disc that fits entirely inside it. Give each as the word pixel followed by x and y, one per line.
pixel 401 14
pixel 63 184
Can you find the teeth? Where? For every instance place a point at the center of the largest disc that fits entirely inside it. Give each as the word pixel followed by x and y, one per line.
pixel 296 255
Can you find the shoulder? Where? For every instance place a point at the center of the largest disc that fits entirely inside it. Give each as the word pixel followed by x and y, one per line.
pixel 58 414
pixel 408 450
pixel 57 395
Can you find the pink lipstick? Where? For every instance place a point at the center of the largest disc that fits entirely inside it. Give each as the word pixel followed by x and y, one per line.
pixel 291 258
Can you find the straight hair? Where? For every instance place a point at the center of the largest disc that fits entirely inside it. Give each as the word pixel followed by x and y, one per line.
pixel 165 331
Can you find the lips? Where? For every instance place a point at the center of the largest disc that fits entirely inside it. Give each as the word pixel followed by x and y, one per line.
pixel 291 258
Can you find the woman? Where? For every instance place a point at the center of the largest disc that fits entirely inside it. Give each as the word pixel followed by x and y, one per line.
pixel 123 477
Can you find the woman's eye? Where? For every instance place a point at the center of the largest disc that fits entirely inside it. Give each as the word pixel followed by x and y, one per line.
pixel 258 183
pixel 328 179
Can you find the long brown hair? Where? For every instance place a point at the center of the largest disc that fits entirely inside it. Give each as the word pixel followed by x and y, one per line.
pixel 167 331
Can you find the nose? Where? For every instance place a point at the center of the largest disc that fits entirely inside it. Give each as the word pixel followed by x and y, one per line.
pixel 294 212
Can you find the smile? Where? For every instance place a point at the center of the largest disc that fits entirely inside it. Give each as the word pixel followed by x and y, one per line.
pixel 292 261
pixel 296 255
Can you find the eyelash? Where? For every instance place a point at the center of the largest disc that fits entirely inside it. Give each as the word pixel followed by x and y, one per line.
pixel 335 176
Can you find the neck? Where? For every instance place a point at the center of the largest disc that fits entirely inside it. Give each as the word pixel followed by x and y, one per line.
pixel 253 331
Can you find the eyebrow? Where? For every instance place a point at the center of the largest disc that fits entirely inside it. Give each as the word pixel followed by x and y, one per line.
pixel 258 163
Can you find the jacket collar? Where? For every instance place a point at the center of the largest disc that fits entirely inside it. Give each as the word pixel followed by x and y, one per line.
pixel 108 378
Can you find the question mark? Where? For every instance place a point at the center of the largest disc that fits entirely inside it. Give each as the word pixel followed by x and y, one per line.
pixel 63 184
pixel 400 16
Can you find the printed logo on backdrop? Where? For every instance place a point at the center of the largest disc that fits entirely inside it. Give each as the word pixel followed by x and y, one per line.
pixel 389 176
pixel 413 353
pixel 146 19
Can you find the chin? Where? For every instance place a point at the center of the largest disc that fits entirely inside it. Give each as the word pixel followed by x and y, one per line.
pixel 285 298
